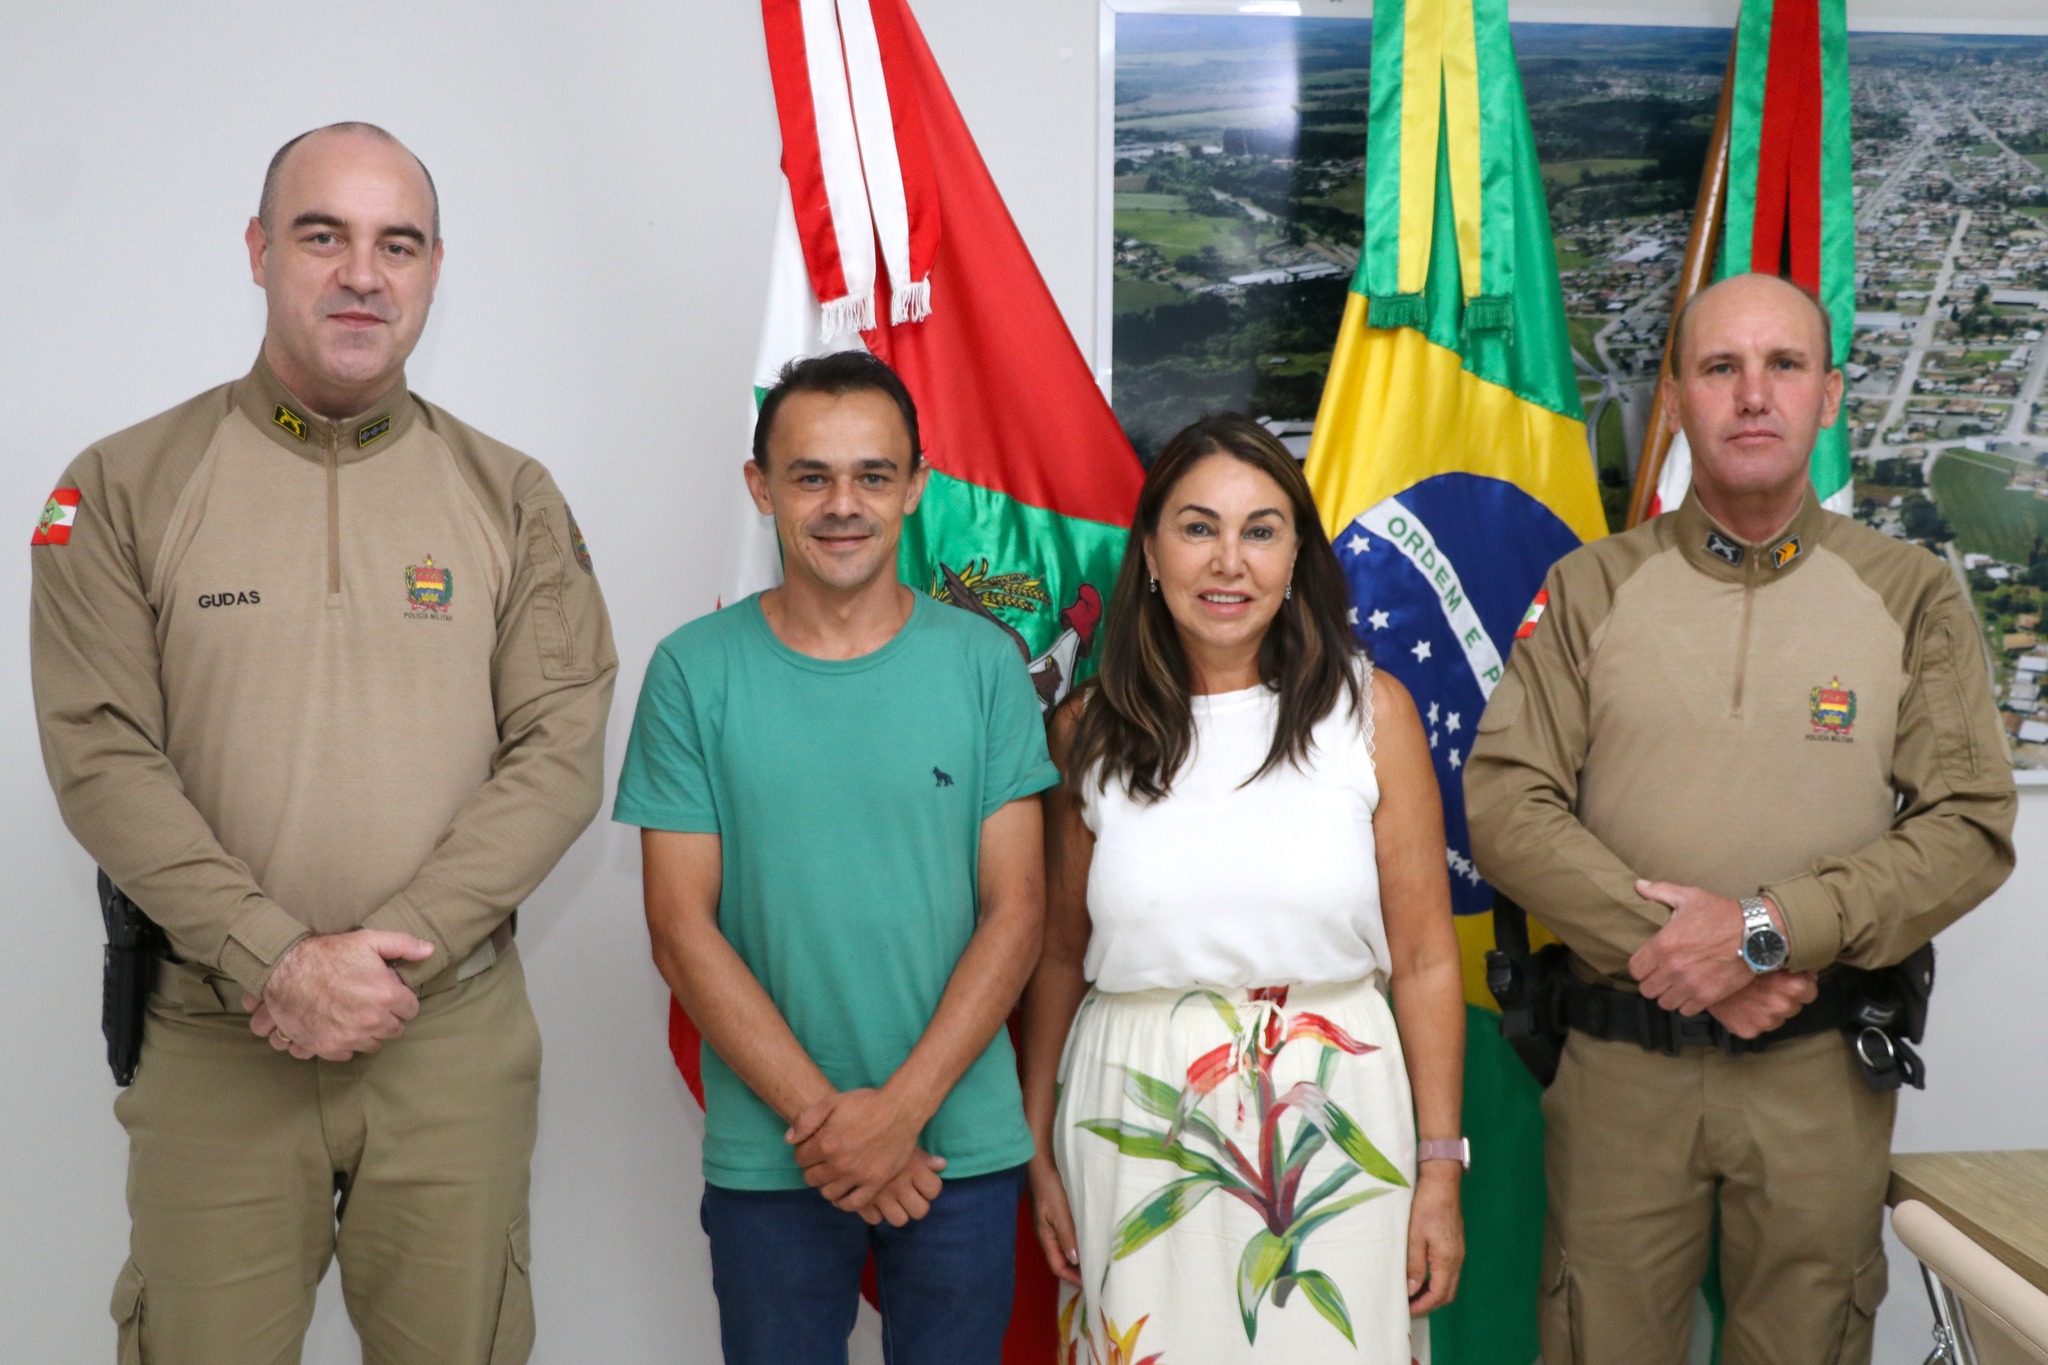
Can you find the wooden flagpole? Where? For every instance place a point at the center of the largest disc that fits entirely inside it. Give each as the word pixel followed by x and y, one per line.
pixel 1701 247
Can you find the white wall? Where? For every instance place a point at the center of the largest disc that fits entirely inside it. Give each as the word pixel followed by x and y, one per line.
pixel 608 173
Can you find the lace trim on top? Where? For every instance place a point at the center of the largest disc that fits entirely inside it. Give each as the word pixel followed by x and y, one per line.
pixel 1365 703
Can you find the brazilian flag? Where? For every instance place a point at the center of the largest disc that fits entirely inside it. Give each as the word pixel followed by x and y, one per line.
pixel 1451 465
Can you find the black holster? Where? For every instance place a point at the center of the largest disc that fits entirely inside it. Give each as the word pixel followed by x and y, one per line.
pixel 1528 987
pixel 135 946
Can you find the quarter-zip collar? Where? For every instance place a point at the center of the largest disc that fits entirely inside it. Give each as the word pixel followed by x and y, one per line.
pixel 279 414
pixel 1719 553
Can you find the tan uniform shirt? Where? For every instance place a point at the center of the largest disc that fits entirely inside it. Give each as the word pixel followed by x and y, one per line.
pixel 298 676
pixel 1810 719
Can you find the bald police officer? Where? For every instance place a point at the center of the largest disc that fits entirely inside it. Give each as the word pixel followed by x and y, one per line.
pixel 322 676
pixel 1749 746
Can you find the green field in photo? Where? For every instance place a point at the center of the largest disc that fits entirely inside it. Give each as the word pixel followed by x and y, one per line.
pixel 1570 173
pixel 1177 234
pixel 1139 199
pixel 1139 296
pixel 1971 491
pixel 1583 331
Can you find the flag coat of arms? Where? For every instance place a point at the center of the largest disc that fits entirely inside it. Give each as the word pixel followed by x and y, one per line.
pixel 891 235
pixel 1451 466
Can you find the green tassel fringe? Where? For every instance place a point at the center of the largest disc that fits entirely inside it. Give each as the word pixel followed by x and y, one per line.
pixel 1489 313
pixel 1396 310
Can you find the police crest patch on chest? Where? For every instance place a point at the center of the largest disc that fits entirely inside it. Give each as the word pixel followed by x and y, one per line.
pixel 429 588
pixel 1832 710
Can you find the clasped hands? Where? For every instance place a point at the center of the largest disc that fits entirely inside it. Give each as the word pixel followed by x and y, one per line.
pixel 1694 963
pixel 859 1149
pixel 333 995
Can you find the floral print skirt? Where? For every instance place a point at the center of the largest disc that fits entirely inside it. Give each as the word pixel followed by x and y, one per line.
pixel 1239 1164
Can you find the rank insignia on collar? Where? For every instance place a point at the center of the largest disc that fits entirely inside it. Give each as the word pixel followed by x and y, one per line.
pixel 290 421
pixel 371 430
pixel 1787 551
pixel 1720 547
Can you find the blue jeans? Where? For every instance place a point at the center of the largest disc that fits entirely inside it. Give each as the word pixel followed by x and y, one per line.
pixel 786 1267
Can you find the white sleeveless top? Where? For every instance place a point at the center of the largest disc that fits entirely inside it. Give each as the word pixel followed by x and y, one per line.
pixel 1219 884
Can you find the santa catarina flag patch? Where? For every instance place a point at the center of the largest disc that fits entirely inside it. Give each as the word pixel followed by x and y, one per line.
pixel 54 528
pixel 1533 615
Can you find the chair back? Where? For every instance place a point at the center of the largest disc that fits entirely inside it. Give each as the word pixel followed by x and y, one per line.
pixel 2004 1319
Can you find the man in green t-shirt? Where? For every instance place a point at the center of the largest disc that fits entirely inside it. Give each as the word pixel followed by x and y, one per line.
pixel 834 781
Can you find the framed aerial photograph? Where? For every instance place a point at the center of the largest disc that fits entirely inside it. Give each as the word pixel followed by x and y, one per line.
pixel 1234 162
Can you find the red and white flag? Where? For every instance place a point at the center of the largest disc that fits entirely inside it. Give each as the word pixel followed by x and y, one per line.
pixel 54 526
pixel 1033 482
pixel 854 157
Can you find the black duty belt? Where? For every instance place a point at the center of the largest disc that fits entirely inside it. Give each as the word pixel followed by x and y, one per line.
pixel 1624 1017
pixel 1881 1013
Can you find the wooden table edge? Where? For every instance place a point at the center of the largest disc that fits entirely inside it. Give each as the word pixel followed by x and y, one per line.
pixel 1913 1172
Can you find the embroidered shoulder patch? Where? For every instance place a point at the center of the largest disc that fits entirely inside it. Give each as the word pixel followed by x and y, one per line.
pixel 1833 711
pixel 59 514
pixel 577 547
pixel 1533 615
pixel 428 589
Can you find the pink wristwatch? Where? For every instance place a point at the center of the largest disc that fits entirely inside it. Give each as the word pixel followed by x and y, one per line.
pixel 1445 1149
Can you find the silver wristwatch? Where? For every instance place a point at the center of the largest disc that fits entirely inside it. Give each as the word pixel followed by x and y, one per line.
pixel 1763 948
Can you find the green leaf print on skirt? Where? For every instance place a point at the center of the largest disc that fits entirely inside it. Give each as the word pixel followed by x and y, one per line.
pixel 1268 1178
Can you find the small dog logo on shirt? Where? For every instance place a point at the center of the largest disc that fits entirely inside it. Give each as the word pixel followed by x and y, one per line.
pixel 941 779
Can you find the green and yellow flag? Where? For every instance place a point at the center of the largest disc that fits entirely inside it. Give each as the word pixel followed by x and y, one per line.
pixel 1451 465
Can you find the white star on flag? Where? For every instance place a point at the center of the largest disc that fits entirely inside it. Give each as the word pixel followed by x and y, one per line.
pixel 1351 617
pixel 1421 650
pixel 1358 544
pixel 1432 739
pixel 1432 713
pixel 1455 760
pixel 1379 620
pixel 1451 722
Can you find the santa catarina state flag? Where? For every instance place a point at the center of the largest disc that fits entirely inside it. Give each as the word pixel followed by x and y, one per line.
pixel 1033 481
pixel 1451 465
pixel 892 235
pixel 53 527
pixel 1791 205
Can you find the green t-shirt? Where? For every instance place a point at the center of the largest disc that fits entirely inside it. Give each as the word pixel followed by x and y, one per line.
pixel 848 796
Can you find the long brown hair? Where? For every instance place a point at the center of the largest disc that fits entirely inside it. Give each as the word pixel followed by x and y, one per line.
pixel 1135 723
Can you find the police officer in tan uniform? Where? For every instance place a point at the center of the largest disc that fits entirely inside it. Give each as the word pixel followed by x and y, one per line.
pixel 322 676
pixel 1748 752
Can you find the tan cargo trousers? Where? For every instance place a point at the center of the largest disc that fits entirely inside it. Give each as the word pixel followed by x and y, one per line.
pixel 1640 1148
pixel 248 1171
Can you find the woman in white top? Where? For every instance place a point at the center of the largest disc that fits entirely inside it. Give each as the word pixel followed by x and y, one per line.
pixel 1246 852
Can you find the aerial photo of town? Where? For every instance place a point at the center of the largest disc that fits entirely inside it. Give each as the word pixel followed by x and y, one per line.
pixel 1238 182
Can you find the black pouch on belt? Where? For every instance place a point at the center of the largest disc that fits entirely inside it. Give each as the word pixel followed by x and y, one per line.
pixel 134 947
pixel 1888 1014
pixel 1527 986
